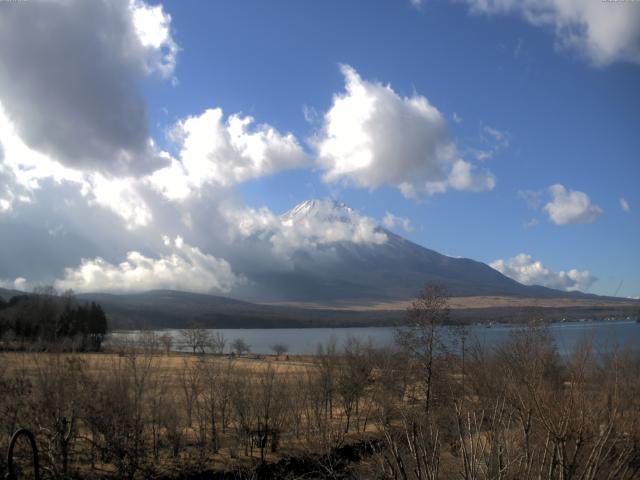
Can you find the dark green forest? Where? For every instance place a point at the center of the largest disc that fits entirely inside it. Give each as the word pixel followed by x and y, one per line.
pixel 46 318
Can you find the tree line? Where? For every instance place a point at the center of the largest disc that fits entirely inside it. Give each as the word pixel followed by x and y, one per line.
pixel 46 317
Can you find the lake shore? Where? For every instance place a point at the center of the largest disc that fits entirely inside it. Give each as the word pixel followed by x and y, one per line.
pixel 304 341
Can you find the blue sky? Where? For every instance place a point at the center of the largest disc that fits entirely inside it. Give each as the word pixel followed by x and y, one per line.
pixel 523 101
pixel 568 121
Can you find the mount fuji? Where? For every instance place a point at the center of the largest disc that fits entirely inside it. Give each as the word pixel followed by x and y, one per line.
pixel 356 262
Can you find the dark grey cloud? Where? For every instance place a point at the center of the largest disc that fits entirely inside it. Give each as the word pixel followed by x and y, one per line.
pixel 69 81
pixel 55 229
pixel 62 235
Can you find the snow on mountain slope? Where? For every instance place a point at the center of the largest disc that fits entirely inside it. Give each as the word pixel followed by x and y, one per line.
pixel 321 210
pixel 377 266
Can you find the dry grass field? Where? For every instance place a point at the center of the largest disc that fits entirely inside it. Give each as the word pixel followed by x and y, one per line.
pixel 355 412
pixel 171 403
pixel 480 302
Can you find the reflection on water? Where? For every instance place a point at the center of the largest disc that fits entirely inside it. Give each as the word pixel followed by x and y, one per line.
pixel 606 335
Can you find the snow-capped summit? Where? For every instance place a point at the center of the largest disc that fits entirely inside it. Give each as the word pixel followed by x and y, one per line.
pixel 321 210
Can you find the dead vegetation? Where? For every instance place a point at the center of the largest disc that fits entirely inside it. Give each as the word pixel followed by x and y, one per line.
pixel 418 411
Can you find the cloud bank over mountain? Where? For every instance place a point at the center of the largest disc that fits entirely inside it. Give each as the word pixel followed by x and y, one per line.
pixel 184 268
pixel 524 269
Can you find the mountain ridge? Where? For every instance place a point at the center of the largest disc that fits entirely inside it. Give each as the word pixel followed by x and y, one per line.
pixel 393 270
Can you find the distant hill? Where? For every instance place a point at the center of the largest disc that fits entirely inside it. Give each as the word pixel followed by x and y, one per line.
pixel 175 309
pixel 6 294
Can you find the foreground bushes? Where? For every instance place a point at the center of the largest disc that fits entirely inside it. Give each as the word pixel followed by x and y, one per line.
pixel 514 412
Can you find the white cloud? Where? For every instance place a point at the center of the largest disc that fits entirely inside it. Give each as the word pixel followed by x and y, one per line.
pixel 19 283
pixel 496 140
pixel 184 268
pixel 493 142
pixel 23 170
pixel 71 85
pixel 532 197
pixel 624 205
pixel 464 176
pixel 225 152
pixel 373 137
pixel 309 225
pixel 524 269
pixel 310 114
pixel 483 155
pixel 456 118
pixel 569 207
pixel 121 196
pixel 500 137
pixel 153 28
pixel 6 193
pixel 603 31
pixel 531 223
pixel 212 152
pixel 49 197
pixel 392 221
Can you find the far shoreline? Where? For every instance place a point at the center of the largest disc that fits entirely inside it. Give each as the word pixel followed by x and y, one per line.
pixel 592 321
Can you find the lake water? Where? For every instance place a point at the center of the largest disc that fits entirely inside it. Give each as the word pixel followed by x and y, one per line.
pixel 606 334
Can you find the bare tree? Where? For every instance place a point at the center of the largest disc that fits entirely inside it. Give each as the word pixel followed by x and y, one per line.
pixel 270 396
pixel 218 342
pixel 167 342
pixel 190 383
pixel 159 406
pixel 56 408
pixel 414 444
pixel 240 346
pixel 223 398
pixel 210 399
pixel 326 358
pixel 115 412
pixel 280 348
pixel 196 338
pixel 148 340
pixel 243 404
pixel 420 334
pixel 354 375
